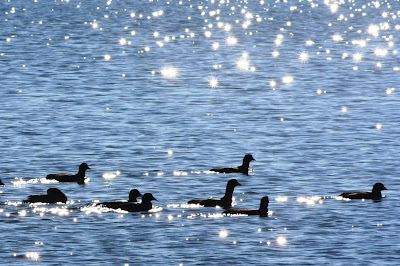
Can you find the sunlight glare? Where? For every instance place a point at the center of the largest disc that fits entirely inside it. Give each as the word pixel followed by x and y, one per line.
pixel 389 91
pixel 373 30
pixel 169 72
pixel 288 79
pixel 223 234
pixel 123 41
pixel 281 199
pixel 215 45
pixel 337 37
pixel 107 57
pixel 281 240
pixel 231 40
pixel 380 52
pixel 303 56
pixel 275 53
pixel 32 255
pixel 357 57
pixel 213 82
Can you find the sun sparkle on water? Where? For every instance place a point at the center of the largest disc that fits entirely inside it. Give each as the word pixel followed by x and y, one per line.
pixel 169 72
pixel 303 56
pixel 275 53
pixel 213 82
pixel 281 240
pixel 288 79
pixel 32 255
pixel 357 57
pixel 107 57
pixel 231 40
pixel 223 234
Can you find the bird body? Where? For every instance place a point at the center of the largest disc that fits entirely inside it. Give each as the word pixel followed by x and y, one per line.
pixel 375 194
pixel 53 195
pixel 63 177
pixel 262 211
pixel 224 202
pixel 1 183
pixel 143 206
pixel 116 204
pixel 244 168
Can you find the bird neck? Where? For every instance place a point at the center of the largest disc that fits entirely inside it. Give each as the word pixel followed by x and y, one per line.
pixel 229 192
pixel 244 168
pixel 376 193
pixel 263 209
pixel 147 205
pixel 132 199
pixel 81 173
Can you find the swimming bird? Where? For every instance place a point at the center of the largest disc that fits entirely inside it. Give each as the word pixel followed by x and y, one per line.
pixel 262 211
pixel 143 206
pixel 53 195
pixel 224 202
pixel 1 183
pixel 375 194
pixel 244 168
pixel 79 177
pixel 115 204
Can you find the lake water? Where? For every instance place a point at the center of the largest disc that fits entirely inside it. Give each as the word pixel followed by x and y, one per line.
pixel 152 94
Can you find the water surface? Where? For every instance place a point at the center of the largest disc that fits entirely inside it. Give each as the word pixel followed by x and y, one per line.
pixel 152 94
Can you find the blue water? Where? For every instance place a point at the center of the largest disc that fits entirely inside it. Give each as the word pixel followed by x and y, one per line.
pixel 152 94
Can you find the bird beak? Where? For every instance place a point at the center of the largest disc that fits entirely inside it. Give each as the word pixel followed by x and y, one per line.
pixel 384 188
pixel 239 184
pixel 154 198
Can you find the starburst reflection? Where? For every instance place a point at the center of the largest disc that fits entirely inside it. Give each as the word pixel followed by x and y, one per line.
pixel 213 82
pixel 227 27
pixel 275 53
pixel 231 40
pixel 379 126
pixel 357 57
pixel 303 57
